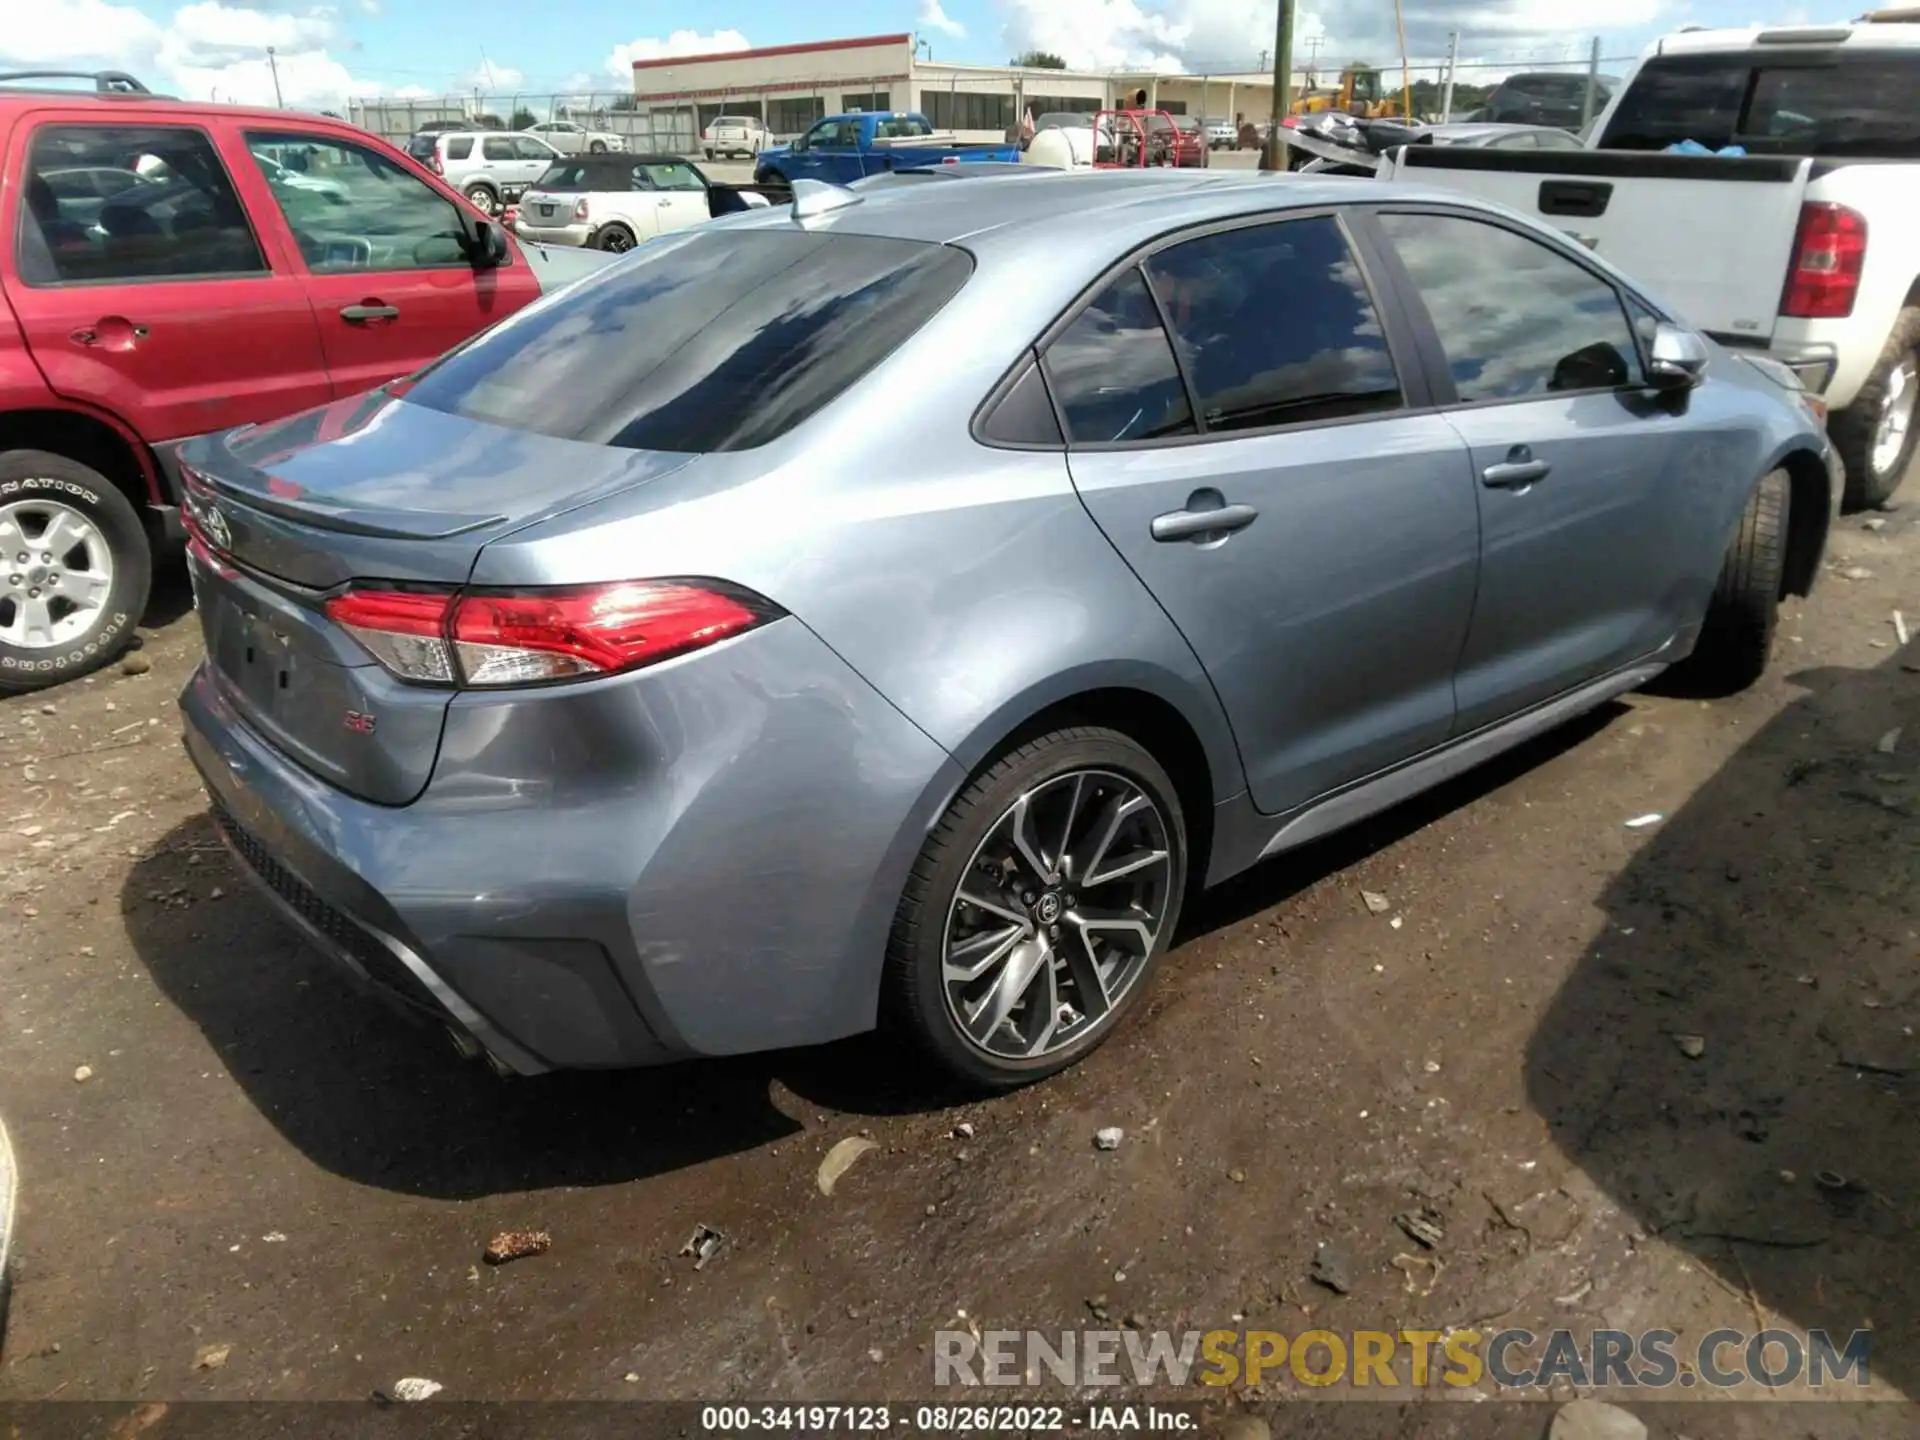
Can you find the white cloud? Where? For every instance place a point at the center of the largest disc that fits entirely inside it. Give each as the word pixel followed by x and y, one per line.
pixel 932 17
pixel 488 78
pixel 1221 35
pixel 206 49
pixel 680 42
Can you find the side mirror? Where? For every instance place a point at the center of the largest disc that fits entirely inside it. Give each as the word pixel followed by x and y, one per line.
pixel 1679 358
pixel 489 247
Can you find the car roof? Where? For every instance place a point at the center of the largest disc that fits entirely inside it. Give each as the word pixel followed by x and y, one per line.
pixel 996 211
pixel 1876 35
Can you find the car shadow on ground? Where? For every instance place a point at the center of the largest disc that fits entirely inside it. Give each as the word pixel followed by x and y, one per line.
pixel 1733 1058
pixel 372 1096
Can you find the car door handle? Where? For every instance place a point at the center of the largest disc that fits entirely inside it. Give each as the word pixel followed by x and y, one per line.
pixel 1202 524
pixel 1518 471
pixel 361 314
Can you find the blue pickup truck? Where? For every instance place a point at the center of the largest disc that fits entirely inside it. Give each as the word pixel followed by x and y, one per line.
pixel 843 148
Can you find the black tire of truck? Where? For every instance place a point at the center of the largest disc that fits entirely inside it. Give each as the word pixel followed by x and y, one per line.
pixel 1855 430
pixel 1736 639
pixel 30 476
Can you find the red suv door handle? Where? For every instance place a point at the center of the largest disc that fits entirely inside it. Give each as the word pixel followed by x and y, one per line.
pixel 115 332
pixel 370 311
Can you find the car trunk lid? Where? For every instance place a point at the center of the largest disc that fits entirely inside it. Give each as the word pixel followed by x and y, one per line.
pixel 370 489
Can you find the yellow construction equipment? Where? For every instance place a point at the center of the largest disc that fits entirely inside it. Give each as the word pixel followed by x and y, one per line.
pixel 1358 93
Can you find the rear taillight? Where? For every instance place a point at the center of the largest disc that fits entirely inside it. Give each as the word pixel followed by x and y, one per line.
pixel 434 161
pixel 530 637
pixel 580 211
pixel 1829 253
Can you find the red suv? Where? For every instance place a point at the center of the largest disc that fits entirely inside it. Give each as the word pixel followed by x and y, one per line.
pixel 169 269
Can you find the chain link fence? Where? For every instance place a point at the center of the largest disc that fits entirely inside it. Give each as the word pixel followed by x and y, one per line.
pixel 968 102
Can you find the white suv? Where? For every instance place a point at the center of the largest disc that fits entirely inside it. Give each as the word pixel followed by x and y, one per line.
pixel 492 168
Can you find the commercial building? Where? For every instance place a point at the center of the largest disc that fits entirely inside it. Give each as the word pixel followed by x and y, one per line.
pixel 788 87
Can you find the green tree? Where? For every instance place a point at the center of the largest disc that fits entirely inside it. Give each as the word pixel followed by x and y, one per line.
pixel 522 118
pixel 1039 60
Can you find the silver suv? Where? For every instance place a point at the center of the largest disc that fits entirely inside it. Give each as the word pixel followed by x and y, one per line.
pixel 492 168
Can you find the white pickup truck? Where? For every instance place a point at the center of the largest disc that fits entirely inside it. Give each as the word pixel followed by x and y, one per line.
pixel 1806 249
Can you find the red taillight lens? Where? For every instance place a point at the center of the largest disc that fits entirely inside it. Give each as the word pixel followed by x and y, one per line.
pixel 405 630
pixel 1829 254
pixel 528 637
pixel 434 161
pixel 580 211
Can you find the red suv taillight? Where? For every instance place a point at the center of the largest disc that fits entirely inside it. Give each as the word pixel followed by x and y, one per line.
pixel 530 637
pixel 580 211
pixel 1829 252
pixel 434 161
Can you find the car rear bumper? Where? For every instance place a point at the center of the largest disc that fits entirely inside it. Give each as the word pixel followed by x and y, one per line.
pixel 701 858
pixel 1814 363
pixel 552 234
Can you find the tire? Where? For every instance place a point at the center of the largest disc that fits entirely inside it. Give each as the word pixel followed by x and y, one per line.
pixel 709 155
pixel 767 177
pixel 597 147
pixel 915 997
pixel 1736 639
pixel 613 237
pixel 483 198
pixel 36 488
pixel 1856 431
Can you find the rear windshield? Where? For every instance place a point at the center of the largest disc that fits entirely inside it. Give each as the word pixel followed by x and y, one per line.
pixel 1840 106
pixel 712 341
pixel 572 176
pixel 420 147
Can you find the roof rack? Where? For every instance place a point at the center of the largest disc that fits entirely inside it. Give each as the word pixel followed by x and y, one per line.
pixel 105 82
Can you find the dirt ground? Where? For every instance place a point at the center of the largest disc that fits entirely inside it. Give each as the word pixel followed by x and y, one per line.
pixel 262 1159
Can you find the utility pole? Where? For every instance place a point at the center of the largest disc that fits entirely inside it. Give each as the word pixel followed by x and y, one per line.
pixel 1593 85
pixel 274 66
pixel 1276 152
pixel 1406 75
pixel 1453 67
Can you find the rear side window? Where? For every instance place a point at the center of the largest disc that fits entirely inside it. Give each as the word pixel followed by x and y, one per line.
pixel 461 148
pixel 715 341
pixel 1112 370
pixel 156 205
pixel 1844 107
pixel 1275 326
pixel 1515 318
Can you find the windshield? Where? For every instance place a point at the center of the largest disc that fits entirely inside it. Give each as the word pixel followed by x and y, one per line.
pixel 1842 106
pixel 709 341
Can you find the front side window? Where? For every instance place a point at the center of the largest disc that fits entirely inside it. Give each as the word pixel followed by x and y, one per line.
pixel 665 350
pixel 1515 318
pixel 1112 370
pixel 353 209
pixel 130 203
pixel 667 175
pixel 528 148
pixel 1275 326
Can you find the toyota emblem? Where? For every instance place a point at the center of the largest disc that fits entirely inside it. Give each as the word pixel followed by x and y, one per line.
pixel 217 530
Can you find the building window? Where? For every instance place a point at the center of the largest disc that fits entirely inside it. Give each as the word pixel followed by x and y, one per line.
pixel 966 110
pixel 877 100
pixel 791 116
pixel 1173 107
pixel 745 109
pixel 1063 104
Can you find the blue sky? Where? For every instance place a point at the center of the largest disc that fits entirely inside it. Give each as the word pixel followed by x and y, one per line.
pixel 327 49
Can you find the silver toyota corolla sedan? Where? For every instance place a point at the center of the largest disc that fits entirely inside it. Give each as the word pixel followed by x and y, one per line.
pixel 887 610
